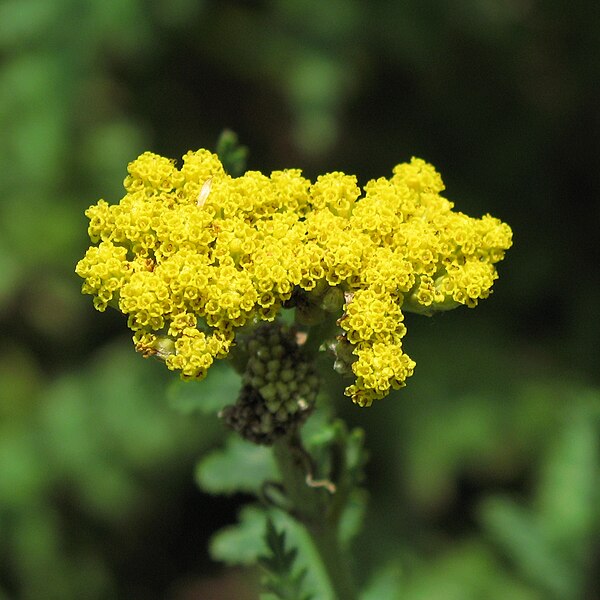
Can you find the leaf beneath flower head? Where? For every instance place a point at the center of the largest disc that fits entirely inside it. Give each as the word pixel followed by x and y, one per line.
pixel 209 396
pixel 238 467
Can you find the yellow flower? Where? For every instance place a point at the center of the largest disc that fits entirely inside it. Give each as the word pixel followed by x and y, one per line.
pixel 192 255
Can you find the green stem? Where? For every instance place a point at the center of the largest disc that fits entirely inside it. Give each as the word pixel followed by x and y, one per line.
pixel 325 540
pixel 312 508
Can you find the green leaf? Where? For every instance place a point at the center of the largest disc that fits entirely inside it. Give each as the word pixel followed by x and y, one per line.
pixel 239 467
pixel 467 570
pixel 25 20
pixel 567 496
pixel 280 560
pixel 352 518
pixel 318 431
pixel 232 155
pixel 338 452
pixel 208 396
pixel 241 544
pixel 385 584
pixel 517 532
pixel 281 579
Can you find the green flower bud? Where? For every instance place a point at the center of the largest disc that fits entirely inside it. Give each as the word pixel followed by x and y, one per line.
pixel 333 300
pixel 280 386
pixel 269 391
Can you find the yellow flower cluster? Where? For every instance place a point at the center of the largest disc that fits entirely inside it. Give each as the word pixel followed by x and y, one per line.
pixel 191 255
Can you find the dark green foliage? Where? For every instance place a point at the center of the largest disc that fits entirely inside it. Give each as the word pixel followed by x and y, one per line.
pixel 334 468
pixel 244 543
pixel 238 467
pixel 206 397
pixel 233 156
pixel 282 579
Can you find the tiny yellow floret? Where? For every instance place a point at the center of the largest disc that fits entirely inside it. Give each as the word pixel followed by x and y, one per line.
pixel 192 255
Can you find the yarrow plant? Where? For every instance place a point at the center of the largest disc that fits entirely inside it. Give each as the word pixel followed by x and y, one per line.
pixel 204 263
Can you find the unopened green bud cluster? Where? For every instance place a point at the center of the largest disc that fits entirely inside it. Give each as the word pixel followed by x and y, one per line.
pixel 279 386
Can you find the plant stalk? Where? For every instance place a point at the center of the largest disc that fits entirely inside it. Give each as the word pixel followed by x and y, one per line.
pixel 311 508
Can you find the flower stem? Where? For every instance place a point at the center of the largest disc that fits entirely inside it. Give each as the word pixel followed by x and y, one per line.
pixel 311 506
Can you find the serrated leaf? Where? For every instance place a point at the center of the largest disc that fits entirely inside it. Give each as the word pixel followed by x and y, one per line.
pixel 208 396
pixel 317 582
pixel 338 453
pixel 243 543
pixel 282 578
pixel 239 467
pixel 279 560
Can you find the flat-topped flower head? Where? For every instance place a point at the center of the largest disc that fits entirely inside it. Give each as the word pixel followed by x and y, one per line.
pixel 192 255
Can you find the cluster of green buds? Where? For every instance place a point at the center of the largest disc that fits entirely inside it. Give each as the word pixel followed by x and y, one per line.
pixel 279 385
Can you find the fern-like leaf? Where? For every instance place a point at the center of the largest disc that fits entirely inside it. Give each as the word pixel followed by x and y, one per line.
pixel 280 580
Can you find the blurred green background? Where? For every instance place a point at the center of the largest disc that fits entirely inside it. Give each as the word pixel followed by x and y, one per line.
pixel 484 476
